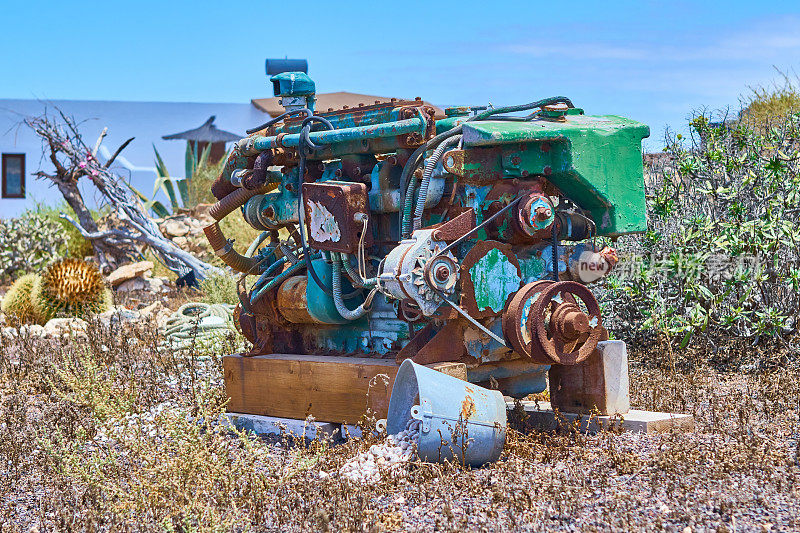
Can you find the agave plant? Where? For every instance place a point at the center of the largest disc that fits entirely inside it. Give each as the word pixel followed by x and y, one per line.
pixel 176 189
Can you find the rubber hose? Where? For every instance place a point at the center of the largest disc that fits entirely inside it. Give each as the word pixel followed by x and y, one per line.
pixel 272 121
pixel 338 301
pixel 411 166
pixel 301 168
pixel 260 167
pixel 355 276
pixel 422 196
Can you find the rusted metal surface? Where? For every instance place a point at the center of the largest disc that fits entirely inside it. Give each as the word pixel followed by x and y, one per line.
pixel 334 214
pixel 292 302
pixel 447 345
pixel 517 317
pixel 455 227
pixel 470 294
pixel 569 334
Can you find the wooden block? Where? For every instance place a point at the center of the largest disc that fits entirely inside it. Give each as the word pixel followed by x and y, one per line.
pixel 541 416
pixel 331 389
pixel 599 384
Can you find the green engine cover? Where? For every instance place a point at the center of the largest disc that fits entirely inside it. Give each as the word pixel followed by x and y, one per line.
pixel 594 160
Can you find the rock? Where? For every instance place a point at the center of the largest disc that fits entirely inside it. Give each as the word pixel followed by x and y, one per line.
pixel 118 314
pixel 57 327
pixel 174 227
pixel 151 310
pixel 180 242
pixel 135 284
pixel 130 271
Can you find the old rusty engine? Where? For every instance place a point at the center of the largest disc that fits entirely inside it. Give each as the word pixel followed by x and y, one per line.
pixel 392 231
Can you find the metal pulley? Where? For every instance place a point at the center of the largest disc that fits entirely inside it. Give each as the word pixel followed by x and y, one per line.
pixel 553 322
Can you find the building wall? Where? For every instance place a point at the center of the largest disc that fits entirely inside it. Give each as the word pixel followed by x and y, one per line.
pixel 146 121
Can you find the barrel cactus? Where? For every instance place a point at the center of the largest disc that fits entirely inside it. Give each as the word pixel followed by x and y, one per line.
pixel 17 301
pixel 71 287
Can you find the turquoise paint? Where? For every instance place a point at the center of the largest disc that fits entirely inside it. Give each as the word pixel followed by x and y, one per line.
pixel 494 278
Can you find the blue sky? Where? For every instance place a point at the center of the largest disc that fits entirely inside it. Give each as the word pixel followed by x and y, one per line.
pixel 652 61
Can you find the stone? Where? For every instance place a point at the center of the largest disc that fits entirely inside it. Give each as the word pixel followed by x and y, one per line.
pixel 57 327
pixel 174 227
pixel 180 242
pixel 273 425
pixel 118 314
pixel 151 310
pixel 129 271
pixel 542 416
pixel 135 284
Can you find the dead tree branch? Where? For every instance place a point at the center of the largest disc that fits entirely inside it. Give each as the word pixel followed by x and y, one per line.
pixel 74 160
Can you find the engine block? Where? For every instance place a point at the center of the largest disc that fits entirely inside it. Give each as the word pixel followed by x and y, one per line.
pixel 394 232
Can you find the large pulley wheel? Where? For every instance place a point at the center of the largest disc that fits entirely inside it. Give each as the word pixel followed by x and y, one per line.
pixel 553 322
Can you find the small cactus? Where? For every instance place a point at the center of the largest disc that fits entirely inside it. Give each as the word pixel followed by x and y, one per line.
pixel 71 287
pixel 18 303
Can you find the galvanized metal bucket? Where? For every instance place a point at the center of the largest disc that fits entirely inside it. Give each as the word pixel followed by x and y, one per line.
pixel 458 420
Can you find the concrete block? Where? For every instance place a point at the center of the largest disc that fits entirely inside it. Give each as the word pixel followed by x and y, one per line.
pixel 541 416
pixel 599 384
pixel 273 425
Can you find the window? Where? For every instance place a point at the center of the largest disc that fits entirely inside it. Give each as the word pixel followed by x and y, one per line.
pixel 13 176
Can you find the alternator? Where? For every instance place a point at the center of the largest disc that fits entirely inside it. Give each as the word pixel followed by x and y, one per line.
pixel 417 270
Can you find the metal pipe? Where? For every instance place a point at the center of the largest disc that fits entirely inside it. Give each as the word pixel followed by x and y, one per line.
pixel 388 129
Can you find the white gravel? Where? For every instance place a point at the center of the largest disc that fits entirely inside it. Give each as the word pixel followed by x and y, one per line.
pixel 390 456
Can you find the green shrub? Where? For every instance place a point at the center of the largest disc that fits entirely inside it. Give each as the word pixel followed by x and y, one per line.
pixel 28 243
pixel 766 105
pixel 720 262
pixel 220 289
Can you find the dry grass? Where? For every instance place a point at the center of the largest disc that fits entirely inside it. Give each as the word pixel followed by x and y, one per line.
pixel 113 433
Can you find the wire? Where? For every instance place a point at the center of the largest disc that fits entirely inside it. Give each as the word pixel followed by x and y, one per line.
pixel 272 121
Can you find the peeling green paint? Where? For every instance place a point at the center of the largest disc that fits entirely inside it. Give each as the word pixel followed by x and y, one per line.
pixel 494 278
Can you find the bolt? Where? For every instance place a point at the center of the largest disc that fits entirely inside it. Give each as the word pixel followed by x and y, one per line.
pixel 548 171
pixel 516 160
pixel 525 173
pixel 418 99
pixel 442 273
pixel 543 213
pixel 269 212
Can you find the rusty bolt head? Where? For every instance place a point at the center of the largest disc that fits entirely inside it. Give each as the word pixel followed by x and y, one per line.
pixel 269 212
pixel 548 170
pixel 442 273
pixel 516 160
pixel 418 98
pixel 543 213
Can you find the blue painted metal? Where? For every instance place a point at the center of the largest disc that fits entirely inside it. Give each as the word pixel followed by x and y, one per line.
pixel 320 304
pixel 468 419
pixel 357 133
pixel 292 84
pixel 518 377
pixel 277 66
